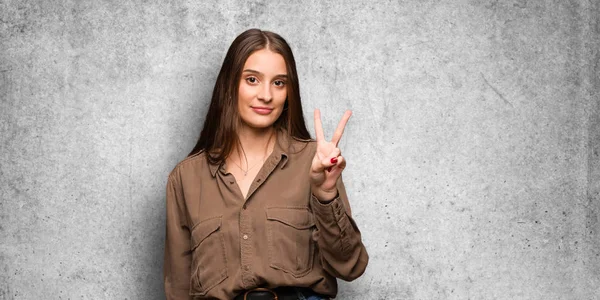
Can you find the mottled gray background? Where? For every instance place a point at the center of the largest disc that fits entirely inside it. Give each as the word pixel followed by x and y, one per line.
pixel 473 165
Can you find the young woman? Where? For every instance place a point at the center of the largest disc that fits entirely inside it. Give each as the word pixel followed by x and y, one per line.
pixel 258 209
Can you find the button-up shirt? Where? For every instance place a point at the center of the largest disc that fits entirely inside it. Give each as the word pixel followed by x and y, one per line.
pixel 219 243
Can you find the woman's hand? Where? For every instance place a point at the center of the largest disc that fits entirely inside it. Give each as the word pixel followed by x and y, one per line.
pixel 328 163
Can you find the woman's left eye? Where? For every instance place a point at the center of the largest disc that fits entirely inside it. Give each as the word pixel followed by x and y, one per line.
pixel 280 83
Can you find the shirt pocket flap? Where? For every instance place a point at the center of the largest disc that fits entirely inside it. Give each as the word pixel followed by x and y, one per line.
pixel 297 217
pixel 203 229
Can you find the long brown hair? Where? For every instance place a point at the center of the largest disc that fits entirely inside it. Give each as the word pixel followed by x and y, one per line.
pixel 219 133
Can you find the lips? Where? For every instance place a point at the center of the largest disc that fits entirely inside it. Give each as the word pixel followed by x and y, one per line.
pixel 262 110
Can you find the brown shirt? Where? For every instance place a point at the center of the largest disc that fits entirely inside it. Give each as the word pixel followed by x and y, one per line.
pixel 219 244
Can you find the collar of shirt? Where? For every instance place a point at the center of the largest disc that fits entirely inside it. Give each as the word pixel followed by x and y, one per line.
pixel 283 145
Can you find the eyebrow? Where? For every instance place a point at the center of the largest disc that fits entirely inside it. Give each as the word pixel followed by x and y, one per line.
pixel 257 72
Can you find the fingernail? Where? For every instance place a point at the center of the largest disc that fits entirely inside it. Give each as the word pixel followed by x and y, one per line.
pixel 333 160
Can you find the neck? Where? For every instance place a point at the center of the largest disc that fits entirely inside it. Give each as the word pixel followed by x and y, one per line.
pixel 255 142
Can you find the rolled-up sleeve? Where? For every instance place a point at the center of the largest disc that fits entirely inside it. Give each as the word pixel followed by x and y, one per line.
pixel 177 256
pixel 343 254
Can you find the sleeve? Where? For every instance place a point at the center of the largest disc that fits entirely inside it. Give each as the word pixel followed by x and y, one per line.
pixel 177 257
pixel 343 254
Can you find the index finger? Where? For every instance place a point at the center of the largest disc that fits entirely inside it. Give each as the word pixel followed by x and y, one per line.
pixel 318 126
pixel 337 135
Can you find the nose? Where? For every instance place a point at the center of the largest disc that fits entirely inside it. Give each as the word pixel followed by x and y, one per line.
pixel 264 94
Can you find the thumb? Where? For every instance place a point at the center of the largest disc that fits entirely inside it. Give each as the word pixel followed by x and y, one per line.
pixel 331 160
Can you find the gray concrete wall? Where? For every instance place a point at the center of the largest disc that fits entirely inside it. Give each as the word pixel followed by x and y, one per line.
pixel 473 151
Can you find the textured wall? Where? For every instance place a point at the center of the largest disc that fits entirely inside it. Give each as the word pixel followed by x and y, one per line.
pixel 473 151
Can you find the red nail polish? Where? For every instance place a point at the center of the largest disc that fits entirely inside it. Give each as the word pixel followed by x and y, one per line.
pixel 333 160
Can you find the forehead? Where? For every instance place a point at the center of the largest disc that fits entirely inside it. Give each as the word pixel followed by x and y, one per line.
pixel 266 61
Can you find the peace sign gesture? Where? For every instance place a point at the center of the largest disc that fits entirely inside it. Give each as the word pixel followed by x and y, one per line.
pixel 328 163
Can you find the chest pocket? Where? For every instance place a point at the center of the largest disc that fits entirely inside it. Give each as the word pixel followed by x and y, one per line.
pixel 209 262
pixel 289 234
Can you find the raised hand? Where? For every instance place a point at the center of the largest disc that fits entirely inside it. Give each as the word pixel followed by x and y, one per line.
pixel 328 163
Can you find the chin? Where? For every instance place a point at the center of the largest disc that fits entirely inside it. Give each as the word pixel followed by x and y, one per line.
pixel 260 125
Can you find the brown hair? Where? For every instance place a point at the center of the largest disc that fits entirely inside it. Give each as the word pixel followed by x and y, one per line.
pixel 219 134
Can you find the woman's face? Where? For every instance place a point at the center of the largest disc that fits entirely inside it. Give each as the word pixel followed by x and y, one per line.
pixel 262 89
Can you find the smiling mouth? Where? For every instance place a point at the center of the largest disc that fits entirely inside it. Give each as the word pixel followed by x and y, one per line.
pixel 262 110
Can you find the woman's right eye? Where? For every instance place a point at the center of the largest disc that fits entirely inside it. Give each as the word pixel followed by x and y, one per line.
pixel 251 80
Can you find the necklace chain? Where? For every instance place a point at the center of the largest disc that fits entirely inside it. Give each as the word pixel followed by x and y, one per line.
pixel 262 160
pixel 246 171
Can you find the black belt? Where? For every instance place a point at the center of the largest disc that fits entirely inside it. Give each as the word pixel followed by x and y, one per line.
pixel 280 293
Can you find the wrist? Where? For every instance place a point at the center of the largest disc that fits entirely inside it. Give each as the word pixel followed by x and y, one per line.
pixel 325 196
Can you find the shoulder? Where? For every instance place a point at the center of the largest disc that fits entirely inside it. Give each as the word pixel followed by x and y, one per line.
pixel 190 164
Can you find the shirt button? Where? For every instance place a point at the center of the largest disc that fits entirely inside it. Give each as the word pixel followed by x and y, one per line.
pixel 246 268
pixel 258 180
pixel 245 236
pixel 231 182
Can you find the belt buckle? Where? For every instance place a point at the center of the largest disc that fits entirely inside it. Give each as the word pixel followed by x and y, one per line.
pixel 261 290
